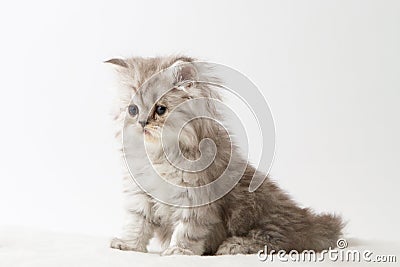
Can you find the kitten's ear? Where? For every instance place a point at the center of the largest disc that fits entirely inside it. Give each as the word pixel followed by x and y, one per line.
pixel 185 71
pixel 118 62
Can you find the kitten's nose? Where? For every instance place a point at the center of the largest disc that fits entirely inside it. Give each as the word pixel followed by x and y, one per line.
pixel 143 123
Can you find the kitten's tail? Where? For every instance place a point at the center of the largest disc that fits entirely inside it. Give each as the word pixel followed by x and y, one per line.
pixel 308 231
pixel 321 232
pixel 280 224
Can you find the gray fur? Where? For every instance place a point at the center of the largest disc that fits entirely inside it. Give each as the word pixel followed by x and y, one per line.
pixel 240 222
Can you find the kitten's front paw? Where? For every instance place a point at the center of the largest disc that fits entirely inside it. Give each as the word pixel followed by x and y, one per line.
pixel 127 245
pixel 175 250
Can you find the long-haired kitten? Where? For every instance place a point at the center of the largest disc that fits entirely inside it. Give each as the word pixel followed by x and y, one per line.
pixel 239 222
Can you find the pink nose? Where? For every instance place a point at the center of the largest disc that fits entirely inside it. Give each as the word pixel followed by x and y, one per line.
pixel 143 123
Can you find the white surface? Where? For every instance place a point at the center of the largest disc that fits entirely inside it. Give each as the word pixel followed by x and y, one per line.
pixel 329 69
pixel 27 247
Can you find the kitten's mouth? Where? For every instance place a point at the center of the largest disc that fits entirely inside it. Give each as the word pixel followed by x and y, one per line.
pixel 147 132
pixel 149 135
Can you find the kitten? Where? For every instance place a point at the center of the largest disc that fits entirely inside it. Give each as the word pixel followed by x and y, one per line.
pixel 240 222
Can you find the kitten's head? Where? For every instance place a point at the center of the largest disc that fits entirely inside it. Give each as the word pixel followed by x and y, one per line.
pixel 155 88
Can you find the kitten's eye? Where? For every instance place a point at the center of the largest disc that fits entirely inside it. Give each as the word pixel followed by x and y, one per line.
pixel 160 110
pixel 133 110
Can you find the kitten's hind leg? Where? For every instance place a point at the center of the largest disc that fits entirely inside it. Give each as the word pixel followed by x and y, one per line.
pixel 252 243
pixel 238 245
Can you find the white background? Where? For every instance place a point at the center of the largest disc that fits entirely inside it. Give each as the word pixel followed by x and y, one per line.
pixel 329 69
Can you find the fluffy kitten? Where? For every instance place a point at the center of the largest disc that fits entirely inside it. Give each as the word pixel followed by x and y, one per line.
pixel 239 222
